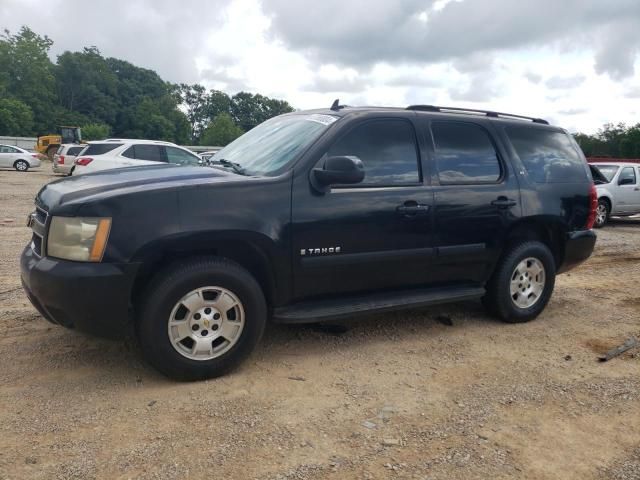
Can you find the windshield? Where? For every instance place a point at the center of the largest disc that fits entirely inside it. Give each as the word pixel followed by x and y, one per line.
pixel 608 171
pixel 273 144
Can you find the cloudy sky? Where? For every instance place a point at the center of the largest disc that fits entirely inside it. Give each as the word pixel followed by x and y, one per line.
pixel 574 62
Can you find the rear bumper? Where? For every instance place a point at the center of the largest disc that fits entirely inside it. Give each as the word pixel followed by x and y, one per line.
pixel 57 168
pixel 578 248
pixel 91 297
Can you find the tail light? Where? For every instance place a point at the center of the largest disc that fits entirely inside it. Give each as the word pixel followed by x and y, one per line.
pixel 593 205
pixel 61 159
pixel 35 155
pixel 84 161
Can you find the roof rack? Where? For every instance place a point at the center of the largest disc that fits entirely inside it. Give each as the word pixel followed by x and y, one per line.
pixel 488 113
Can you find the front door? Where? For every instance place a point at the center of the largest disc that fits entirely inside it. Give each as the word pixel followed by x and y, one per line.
pixel 476 199
pixel 371 236
pixel 627 191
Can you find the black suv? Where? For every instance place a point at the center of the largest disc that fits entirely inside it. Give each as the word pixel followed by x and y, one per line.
pixel 312 216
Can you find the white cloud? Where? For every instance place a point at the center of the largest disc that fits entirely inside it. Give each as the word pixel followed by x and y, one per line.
pixel 575 61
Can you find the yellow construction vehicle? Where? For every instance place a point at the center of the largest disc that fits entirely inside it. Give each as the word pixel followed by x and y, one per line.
pixel 48 144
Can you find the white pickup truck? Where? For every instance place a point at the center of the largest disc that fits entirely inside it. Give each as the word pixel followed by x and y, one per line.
pixel 618 186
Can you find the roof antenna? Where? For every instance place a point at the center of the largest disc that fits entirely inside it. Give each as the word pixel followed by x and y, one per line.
pixel 336 105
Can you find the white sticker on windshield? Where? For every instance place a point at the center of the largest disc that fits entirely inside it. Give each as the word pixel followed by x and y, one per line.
pixel 320 118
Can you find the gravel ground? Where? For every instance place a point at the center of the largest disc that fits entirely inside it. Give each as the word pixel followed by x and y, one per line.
pixel 399 395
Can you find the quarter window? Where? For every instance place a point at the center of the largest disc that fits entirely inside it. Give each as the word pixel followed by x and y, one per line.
pixel 547 156
pixel 464 153
pixel 387 149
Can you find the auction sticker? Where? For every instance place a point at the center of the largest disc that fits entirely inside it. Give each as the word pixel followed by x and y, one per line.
pixel 320 118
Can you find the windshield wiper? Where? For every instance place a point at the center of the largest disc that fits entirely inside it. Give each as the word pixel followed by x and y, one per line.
pixel 236 167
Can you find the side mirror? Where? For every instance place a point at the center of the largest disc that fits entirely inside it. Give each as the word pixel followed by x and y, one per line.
pixel 626 181
pixel 345 170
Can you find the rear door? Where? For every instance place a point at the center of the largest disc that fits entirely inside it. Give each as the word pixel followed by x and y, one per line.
pixel 144 154
pixel 8 155
pixel 476 199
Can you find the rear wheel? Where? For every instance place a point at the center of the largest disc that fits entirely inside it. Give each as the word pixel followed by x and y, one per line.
pixel 200 319
pixel 51 151
pixel 522 283
pixel 21 165
pixel 603 210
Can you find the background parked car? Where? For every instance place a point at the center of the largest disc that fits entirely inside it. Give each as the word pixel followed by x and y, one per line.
pixel 121 153
pixel 618 186
pixel 65 156
pixel 205 156
pixel 18 158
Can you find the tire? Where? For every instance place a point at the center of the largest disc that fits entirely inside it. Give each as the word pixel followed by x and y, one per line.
pixel 521 307
pixel 603 212
pixel 51 151
pixel 219 282
pixel 21 165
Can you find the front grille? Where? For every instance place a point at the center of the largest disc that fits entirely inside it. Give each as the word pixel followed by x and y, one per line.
pixel 38 224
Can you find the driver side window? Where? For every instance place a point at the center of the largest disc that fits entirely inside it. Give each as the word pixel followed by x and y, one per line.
pixel 627 176
pixel 387 149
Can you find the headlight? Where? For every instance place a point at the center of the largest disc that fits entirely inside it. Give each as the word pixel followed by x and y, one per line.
pixel 80 239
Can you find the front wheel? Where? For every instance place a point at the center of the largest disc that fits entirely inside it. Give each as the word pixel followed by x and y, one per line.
pixel 522 283
pixel 602 213
pixel 200 319
pixel 21 166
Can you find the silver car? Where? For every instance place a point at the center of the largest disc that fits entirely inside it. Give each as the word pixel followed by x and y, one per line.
pixel 618 186
pixel 18 158
pixel 65 157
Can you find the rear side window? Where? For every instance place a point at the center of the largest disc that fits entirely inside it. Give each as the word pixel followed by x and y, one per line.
pixel 101 148
pixel 464 154
pixel 548 157
pixel 150 152
pixel 387 149
pixel 74 150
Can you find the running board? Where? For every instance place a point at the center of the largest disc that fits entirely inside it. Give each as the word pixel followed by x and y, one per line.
pixel 333 309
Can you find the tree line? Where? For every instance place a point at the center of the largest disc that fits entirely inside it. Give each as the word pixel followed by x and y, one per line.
pixel 619 141
pixel 112 97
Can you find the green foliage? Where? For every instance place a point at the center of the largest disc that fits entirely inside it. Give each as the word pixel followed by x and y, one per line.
pixel 95 131
pixel 15 117
pixel 611 140
pixel 221 131
pixel 85 88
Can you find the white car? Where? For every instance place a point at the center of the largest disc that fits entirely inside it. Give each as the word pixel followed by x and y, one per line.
pixel 18 158
pixel 618 187
pixel 65 156
pixel 121 153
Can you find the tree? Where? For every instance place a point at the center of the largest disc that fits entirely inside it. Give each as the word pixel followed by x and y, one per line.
pixel 16 117
pixel 221 131
pixel 95 131
pixel 611 141
pixel 249 110
pixel 28 74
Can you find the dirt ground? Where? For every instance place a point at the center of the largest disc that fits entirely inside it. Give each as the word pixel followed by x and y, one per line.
pixel 401 396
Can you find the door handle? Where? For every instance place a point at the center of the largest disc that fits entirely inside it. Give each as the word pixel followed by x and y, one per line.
pixel 412 208
pixel 504 202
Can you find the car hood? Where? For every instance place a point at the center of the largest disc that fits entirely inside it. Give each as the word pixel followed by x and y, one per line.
pixel 108 182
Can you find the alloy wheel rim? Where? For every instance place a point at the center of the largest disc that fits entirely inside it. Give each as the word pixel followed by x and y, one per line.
pixel 527 283
pixel 206 323
pixel 21 166
pixel 601 214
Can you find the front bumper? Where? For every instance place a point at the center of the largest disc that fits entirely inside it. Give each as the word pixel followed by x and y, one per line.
pixel 91 297
pixel 578 248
